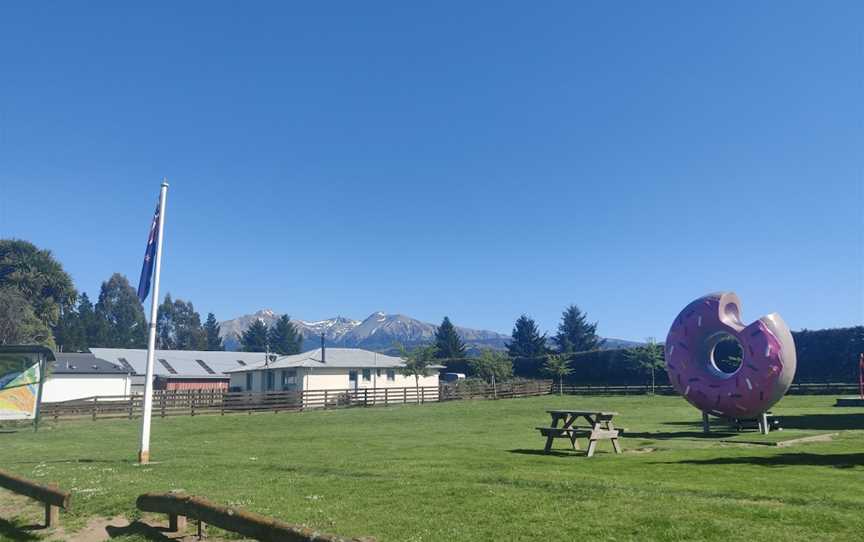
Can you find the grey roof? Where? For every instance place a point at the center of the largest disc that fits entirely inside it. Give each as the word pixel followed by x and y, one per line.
pixel 185 363
pixel 75 363
pixel 354 358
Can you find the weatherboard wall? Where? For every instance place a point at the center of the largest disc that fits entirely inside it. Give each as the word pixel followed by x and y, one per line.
pixel 327 378
pixel 66 387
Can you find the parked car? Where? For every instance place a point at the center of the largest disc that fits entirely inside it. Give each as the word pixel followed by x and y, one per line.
pixel 452 377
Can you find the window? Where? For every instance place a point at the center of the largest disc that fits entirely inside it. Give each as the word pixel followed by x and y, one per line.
pixel 205 367
pixel 248 381
pixel 391 374
pixel 378 373
pixel 352 376
pixel 289 378
pixel 128 366
pixel 271 380
pixel 167 366
pixel 367 375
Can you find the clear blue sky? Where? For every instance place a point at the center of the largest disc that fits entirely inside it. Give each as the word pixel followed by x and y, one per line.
pixel 476 160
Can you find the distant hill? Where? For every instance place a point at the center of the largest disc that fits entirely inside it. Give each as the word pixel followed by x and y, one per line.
pixel 378 331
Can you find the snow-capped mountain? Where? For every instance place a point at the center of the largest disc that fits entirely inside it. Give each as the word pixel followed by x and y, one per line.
pixel 379 331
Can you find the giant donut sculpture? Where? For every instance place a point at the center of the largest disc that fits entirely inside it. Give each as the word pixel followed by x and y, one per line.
pixel 768 361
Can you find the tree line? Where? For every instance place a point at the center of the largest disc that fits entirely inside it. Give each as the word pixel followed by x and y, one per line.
pixel 39 304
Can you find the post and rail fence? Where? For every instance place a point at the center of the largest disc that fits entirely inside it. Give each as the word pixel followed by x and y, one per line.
pixel 203 402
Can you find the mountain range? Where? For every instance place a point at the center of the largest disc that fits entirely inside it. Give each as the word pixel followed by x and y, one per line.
pixel 378 331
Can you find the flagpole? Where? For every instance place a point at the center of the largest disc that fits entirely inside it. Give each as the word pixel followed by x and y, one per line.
pixel 144 452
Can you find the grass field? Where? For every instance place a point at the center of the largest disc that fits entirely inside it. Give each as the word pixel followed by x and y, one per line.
pixel 472 470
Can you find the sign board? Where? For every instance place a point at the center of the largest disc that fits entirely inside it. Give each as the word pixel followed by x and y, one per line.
pixel 22 369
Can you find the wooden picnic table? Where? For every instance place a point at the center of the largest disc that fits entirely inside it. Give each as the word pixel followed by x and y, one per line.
pixel 600 427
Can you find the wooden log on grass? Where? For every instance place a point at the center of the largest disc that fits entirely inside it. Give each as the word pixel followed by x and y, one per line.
pixel 180 506
pixel 52 497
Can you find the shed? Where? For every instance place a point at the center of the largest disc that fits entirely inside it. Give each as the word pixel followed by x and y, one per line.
pixel 81 375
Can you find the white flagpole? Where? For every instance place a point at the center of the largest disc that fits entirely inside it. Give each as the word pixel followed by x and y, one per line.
pixel 144 453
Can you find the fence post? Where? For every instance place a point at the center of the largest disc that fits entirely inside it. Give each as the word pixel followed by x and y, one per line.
pixel 95 407
pixel 422 395
pixel 131 403
pixel 162 403
pixel 325 399
pixel 365 397
pixel 385 396
pixel 404 396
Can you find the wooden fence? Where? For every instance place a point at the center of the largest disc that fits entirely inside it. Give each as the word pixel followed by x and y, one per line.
pixel 200 402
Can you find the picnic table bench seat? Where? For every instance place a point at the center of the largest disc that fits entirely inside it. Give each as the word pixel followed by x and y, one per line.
pixel 600 428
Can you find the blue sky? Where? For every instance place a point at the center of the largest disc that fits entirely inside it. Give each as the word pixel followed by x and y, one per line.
pixel 477 161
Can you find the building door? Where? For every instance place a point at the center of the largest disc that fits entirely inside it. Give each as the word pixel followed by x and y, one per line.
pixel 352 380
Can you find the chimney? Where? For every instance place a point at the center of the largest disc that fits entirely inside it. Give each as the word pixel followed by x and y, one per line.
pixel 323 350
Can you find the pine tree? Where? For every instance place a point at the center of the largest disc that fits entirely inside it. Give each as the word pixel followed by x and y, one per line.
pixel 254 339
pixel 120 321
pixel 211 329
pixel 447 341
pixel 575 333
pixel 284 337
pixel 527 341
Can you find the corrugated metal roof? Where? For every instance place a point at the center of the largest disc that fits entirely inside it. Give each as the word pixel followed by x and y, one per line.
pixel 351 358
pixel 83 363
pixel 184 362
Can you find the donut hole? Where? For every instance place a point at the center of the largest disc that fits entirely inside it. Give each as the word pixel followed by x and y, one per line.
pixel 727 355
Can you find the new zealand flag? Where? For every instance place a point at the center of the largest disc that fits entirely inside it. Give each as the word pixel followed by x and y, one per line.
pixel 149 258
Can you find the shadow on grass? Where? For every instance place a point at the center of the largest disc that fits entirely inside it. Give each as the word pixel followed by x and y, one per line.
pixel 823 421
pixel 670 435
pixel 834 422
pixel 552 453
pixel 10 530
pixel 137 528
pixel 839 461
pixel 79 460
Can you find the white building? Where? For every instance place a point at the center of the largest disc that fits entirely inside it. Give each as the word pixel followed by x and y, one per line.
pixel 327 369
pixel 80 376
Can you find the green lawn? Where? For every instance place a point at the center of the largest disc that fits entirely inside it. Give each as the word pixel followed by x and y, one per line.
pixel 473 470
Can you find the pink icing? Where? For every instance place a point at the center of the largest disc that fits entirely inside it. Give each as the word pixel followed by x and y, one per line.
pixel 746 393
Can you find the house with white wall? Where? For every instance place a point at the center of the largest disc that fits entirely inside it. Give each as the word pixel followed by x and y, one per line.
pixel 79 376
pixel 327 369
